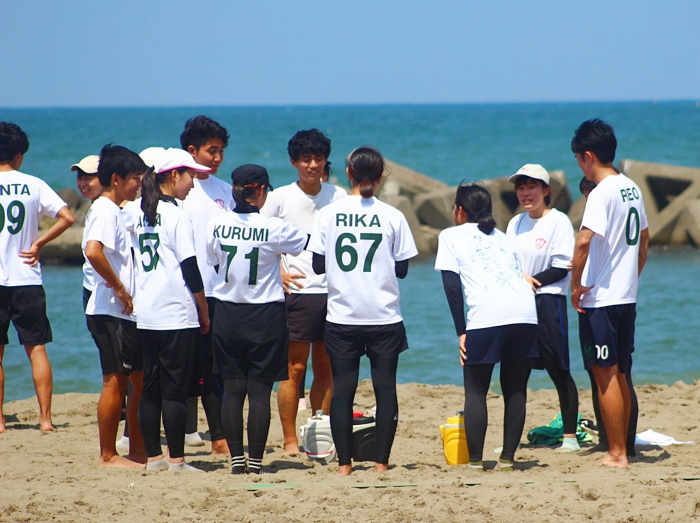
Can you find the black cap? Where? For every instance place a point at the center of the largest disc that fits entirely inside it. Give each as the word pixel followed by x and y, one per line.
pixel 251 175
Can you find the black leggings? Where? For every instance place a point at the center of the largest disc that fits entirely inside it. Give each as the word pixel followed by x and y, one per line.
pixel 568 398
pixel 174 414
pixel 235 392
pixel 345 375
pixel 477 378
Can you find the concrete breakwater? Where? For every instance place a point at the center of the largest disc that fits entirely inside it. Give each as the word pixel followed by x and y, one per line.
pixel 671 197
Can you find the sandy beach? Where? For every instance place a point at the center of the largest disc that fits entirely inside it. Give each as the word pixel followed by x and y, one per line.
pixel 54 477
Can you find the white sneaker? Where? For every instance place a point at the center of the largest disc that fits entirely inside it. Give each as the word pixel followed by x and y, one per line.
pixel 161 464
pixel 194 440
pixel 302 404
pixel 183 467
pixel 123 445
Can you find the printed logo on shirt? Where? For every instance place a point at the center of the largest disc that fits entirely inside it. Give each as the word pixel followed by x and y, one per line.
pixel 219 203
pixel 540 242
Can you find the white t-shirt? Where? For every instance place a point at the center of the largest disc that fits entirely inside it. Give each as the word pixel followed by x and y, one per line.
pixel 23 199
pixel 88 271
pixel 208 198
pixel 543 243
pixel 615 213
pixel 163 300
pixel 300 209
pixel 362 239
pixel 105 224
pixel 495 290
pixel 247 248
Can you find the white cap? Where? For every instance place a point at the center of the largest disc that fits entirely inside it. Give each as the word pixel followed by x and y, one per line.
pixel 88 164
pixel 174 158
pixel 150 155
pixel 531 170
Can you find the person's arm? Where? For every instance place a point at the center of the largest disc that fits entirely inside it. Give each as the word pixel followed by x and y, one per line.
pixel 401 269
pixel 319 263
pixel 643 249
pixel 94 252
pixel 453 292
pixel 193 280
pixel 65 220
pixel 578 262
pixel 549 276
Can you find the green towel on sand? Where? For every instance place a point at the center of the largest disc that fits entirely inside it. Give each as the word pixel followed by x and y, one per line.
pixel 553 432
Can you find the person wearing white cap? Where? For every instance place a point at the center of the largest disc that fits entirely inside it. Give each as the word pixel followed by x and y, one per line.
pixel 544 242
pixel 23 199
pixel 90 188
pixel 170 303
pixel 206 141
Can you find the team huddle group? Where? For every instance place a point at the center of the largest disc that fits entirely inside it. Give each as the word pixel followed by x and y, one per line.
pixel 204 288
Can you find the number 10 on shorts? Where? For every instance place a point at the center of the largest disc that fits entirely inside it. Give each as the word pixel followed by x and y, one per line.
pixel 602 352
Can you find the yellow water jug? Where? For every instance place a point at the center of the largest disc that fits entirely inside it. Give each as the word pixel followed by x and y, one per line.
pixel 454 440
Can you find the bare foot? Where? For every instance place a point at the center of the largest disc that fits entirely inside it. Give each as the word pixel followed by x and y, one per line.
pixel 611 461
pixel 291 449
pixel 344 470
pixel 219 448
pixel 137 458
pixel 381 467
pixel 119 461
pixel 46 426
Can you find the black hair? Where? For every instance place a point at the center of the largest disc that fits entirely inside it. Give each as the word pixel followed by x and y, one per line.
pixel 201 129
pixel 597 137
pixel 365 167
pixel 522 179
pixel 241 193
pixel 151 193
pixel 586 186
pixel 475 200
pixel 311 141
pixel 327 169
pixel 13 141
pixel 115 159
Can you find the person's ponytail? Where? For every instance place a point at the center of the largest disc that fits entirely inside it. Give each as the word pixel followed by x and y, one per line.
pixel 365 167
pixel 150 196
pixel 475 200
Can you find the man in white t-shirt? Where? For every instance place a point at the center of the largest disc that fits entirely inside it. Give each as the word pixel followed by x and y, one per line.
pixel 113 325
pixel 609 256
pixel 23 199
pixel 206 140
pixel 307 292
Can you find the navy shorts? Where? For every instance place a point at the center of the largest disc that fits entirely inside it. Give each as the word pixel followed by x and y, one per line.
pixel 306 315
pixel 116 339
pixel 25 307
pixel 353 341
pixel 607 336
pixel 168 362
pixel 552 333
pixel 251 341
pixel 493 344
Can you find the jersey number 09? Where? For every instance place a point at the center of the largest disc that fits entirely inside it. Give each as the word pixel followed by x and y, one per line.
pixel 15 215
pixel 350 251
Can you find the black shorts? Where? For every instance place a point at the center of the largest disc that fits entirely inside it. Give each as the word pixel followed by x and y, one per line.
pixel 116 339
pixel 306 315
pixel 168 362
pixel 607 336
pixel 493 344
pixel 25 307
pixel 251 341
pixel 86 297
pixel 353 341
pixel 552 333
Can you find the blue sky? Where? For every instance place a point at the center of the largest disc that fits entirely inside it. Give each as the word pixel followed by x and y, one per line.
pixel 183 53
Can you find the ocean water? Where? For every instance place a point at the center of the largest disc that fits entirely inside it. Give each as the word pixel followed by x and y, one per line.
pixel 449 142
